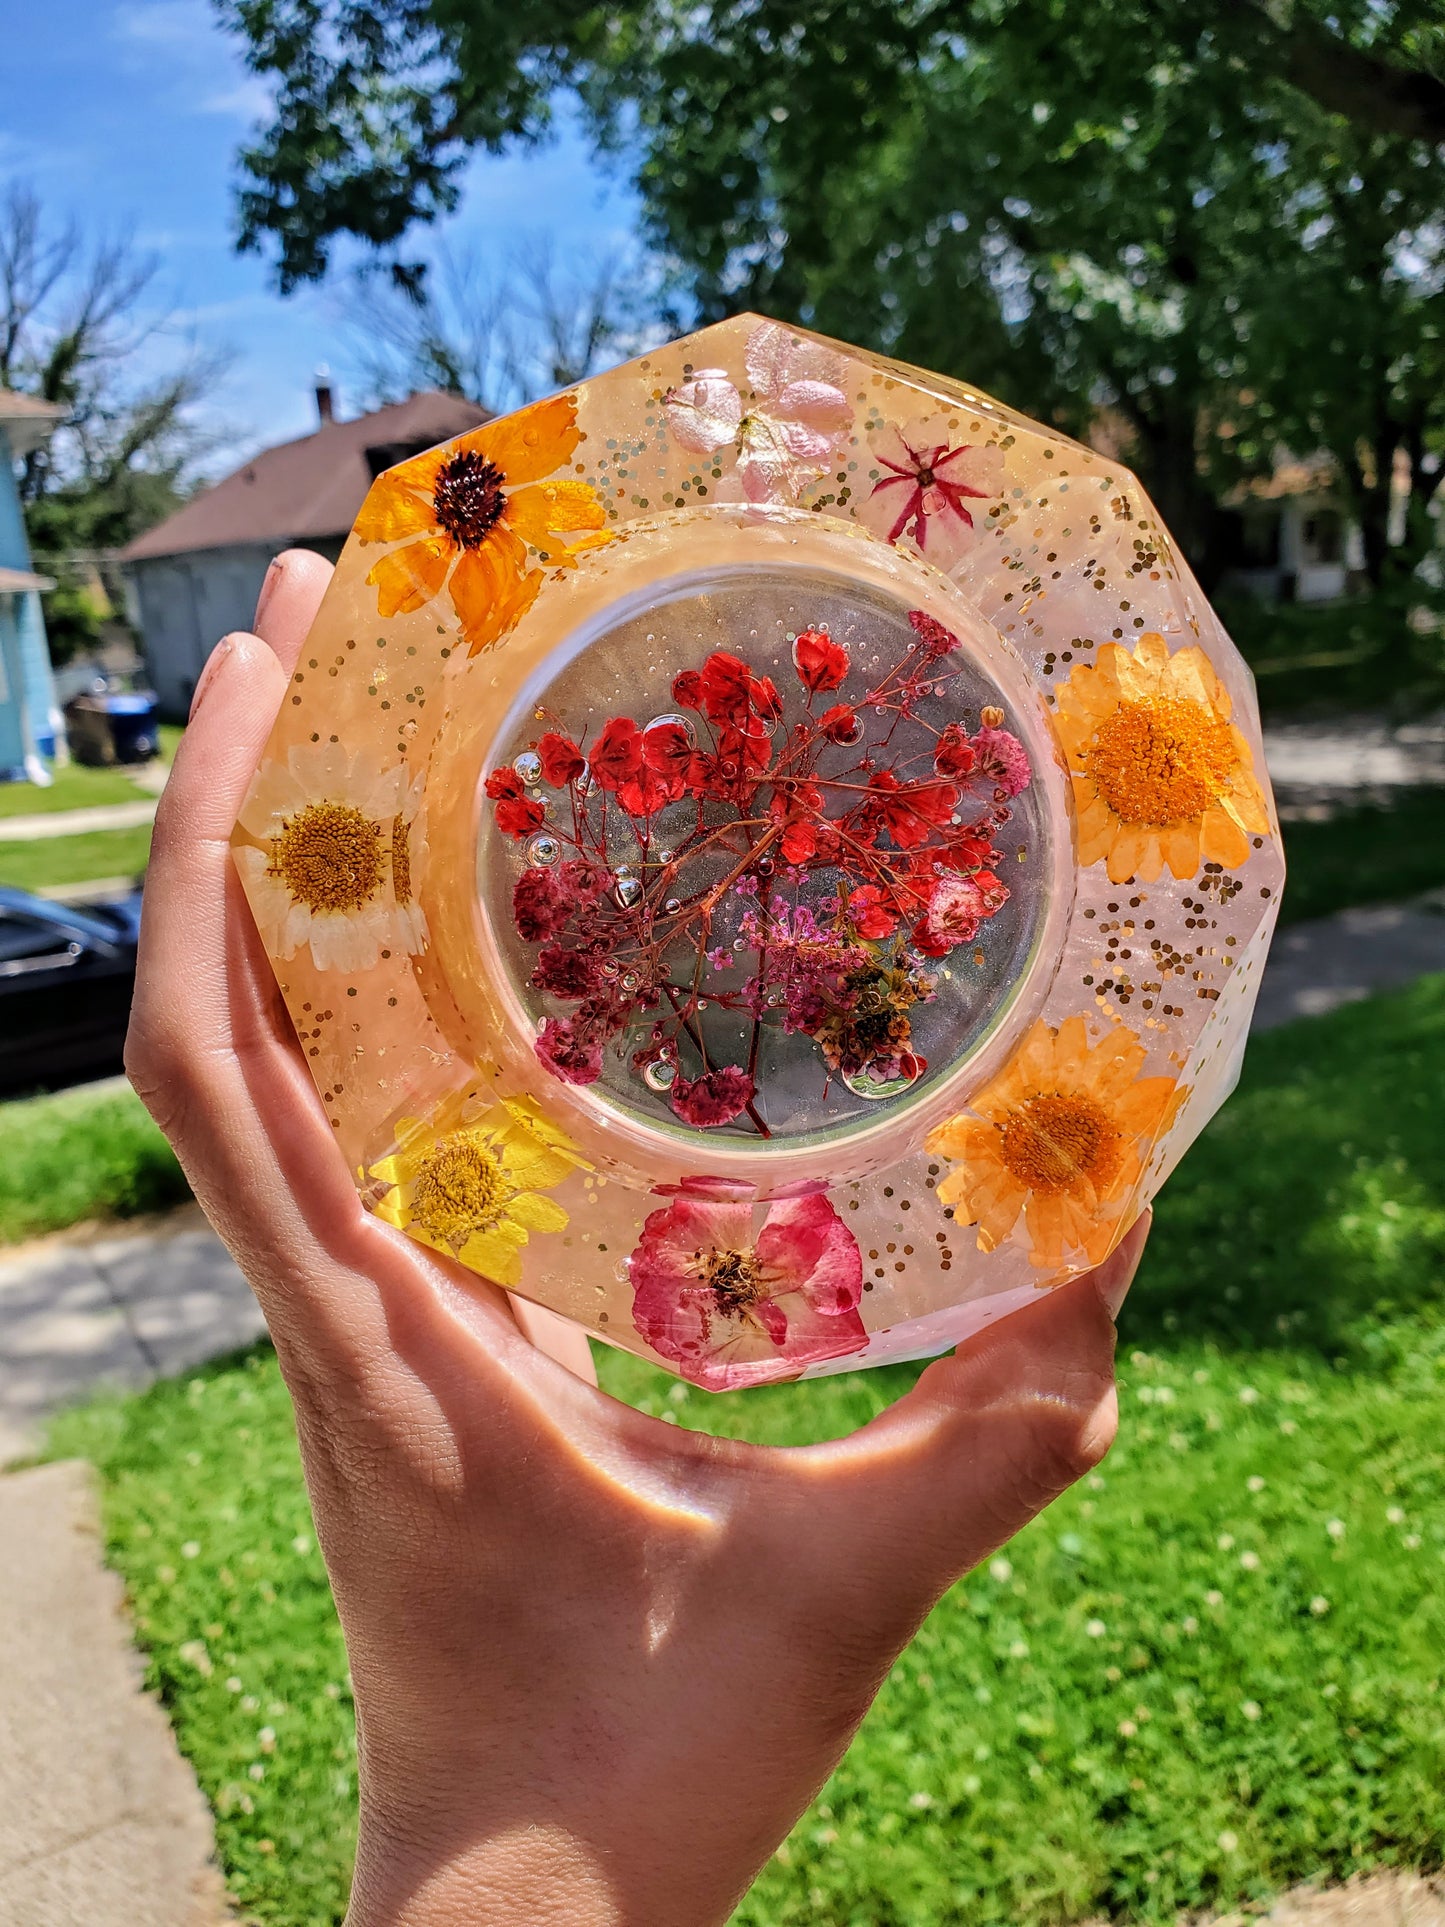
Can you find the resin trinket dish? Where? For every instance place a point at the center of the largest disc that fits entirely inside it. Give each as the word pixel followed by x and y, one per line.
pixel 767 853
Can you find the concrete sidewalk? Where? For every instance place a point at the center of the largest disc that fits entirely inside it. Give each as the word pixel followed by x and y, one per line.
pixel 138 1303
pixel 104 816
pixel 101 1821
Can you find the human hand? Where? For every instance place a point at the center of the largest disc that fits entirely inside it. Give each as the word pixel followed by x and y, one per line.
pixel 600 1664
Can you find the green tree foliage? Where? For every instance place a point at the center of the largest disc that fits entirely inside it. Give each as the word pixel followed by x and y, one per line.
pixel 1220 220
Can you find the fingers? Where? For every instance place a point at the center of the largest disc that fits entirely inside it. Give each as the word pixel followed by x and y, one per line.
pixel 986 1439
pixel 185 945
pixel 210 1048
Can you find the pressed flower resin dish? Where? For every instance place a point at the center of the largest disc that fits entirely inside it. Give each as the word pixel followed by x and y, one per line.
pixel 768 855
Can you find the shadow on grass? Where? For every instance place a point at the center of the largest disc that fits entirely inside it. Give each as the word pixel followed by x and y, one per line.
pixel 1365 855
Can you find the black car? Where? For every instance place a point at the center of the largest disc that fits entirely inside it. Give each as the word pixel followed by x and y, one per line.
pixel 66 976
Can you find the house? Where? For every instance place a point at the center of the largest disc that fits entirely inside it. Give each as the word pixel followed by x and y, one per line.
pixel 1290 538
pixel 196 575
pixel 29 719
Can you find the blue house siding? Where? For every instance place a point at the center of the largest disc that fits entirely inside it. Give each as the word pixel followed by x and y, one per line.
pixel 27 689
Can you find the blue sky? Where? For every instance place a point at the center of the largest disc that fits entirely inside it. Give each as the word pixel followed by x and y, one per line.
pixel 126 114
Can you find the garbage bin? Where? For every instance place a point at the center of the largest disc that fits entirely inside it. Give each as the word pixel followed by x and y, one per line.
pixel 113 727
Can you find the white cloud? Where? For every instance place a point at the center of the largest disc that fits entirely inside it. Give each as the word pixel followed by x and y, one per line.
pixel 249 100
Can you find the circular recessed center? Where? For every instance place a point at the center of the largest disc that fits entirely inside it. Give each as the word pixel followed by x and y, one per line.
pixel 764 858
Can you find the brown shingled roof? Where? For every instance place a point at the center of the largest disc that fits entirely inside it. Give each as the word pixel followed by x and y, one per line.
pixel 311 489
pixel 27 420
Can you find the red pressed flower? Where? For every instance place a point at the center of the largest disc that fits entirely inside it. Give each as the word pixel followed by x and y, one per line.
pixel 562 761
pixel 937 641
pixel 953 755
pixel 543 901
pixel 569 974
pixel 965 851
pixel 667 748
pixel 909 812
pixel 504 784
pixel 687 690
pixel 793 797
pixel 799 841
pixel 516 813
pixel 725 687
pixel 839 724
pixel 827 842
pixel 764 697
pixel 872 913
pixel 717 1097
pixel 571 1049
pixel 650 790
pixel 820 662
pixel 617 753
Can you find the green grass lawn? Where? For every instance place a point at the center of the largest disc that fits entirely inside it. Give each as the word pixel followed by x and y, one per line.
pixel 1212 1670
pixel 88 1153
pixel 1331 658
pixel 97 854
pixel 1365 856
pixel 74 788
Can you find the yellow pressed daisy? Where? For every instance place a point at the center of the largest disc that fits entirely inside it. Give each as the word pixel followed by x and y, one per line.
pixel 1161 775
pixel 466 515
pixel 471 1186
pixel 1060 1137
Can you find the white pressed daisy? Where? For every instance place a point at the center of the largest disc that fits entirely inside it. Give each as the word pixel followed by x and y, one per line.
pixel 326 817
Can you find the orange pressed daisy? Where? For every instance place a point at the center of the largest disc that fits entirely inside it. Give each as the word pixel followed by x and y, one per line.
pixel 467 515
pixel 1060 1136
pixel 1160 773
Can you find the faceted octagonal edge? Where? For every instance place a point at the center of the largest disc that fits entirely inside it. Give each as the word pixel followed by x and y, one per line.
pixel 767 853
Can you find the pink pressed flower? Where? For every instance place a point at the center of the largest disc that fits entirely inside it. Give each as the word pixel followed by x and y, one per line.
pixel 717 1097
pixel 925 486
pixel 956 909
pixel 791 430
pixel 731 1309
pixel 705 413
pixel 1002 758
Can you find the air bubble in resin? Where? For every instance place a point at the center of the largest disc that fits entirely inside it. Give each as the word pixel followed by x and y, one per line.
pixel 528 766
pixel 875 1088
pixel 543 850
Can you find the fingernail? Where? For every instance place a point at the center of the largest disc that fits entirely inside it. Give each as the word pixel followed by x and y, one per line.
pixel 1114 1277
pixel 208 675
pixel 268 589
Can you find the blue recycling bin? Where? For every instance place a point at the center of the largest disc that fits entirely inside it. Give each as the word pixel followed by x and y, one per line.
pixel 113 726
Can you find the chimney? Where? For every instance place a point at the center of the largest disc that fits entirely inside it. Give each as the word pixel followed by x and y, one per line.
pixel 325 406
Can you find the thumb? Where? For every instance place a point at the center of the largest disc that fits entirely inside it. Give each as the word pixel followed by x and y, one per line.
pixel 988 1436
